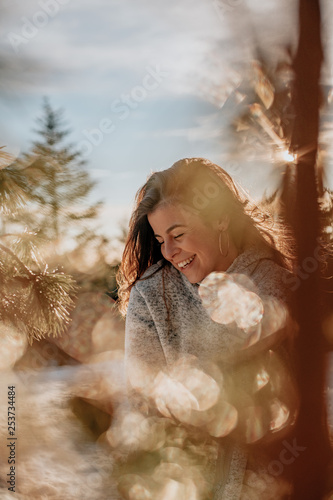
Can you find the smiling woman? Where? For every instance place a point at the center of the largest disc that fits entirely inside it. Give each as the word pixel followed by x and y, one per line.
pixel 197 204
pixel 186 241
pixel 203 281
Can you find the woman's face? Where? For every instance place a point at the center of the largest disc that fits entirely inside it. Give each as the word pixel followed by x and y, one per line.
pixel 189 243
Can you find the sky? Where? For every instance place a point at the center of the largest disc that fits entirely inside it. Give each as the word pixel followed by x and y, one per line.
pixel 142 83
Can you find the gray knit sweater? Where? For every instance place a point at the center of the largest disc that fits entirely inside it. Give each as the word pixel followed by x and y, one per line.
pixel 166 319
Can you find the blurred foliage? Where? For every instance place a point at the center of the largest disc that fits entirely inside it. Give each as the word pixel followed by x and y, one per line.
pixel 264 127
pixel 264 124
pixel 34 299
pixel 56 183
pixel 266 115
pixel 41 197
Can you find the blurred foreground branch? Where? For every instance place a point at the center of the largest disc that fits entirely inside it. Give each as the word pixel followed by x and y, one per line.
pixel 36 300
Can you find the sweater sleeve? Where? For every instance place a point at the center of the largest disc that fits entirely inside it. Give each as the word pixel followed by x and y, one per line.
pixel 254 309
pixel 277 323
pixel 144 355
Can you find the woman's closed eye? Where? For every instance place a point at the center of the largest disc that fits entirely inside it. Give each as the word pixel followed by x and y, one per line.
pixel 176 237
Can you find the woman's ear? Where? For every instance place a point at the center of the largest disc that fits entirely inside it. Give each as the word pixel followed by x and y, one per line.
pixel 223 223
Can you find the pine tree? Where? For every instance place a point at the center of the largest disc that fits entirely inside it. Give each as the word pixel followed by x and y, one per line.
pixel 59 183
pixel 33 298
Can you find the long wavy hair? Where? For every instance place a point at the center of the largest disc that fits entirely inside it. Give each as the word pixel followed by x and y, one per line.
pixel 204 189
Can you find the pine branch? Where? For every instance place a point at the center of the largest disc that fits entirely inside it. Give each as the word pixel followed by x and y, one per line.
pixel 6 159
pixel 25 248
pixel 13 190
pixel 38 303
pixel 16 259
pixel 49 304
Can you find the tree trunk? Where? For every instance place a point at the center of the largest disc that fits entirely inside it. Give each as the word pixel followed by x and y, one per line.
pixel 311 463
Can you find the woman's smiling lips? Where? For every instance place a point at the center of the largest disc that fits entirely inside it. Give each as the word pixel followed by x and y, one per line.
pixel 186 262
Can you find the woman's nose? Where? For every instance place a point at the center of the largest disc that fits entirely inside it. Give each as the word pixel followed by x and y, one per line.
pixel 170 249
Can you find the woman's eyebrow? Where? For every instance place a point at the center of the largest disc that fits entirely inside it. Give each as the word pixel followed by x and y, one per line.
pixel 174 226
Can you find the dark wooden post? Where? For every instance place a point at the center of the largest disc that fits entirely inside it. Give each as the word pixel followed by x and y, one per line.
pixel 310 465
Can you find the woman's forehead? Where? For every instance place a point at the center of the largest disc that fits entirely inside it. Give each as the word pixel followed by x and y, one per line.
pixel 169 215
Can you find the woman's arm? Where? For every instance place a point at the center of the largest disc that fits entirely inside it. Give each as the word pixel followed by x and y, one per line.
pixel 144 355
pixel 259 372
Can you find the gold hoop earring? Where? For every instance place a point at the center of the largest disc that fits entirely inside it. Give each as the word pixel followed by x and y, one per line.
pixel 224 254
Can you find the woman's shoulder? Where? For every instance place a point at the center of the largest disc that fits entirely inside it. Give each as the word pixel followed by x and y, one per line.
pixel 253 259
pixel 153 276
pixel 260 265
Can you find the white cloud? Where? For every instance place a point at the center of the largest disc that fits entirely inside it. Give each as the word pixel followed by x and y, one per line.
pixel 104 43
pixel 92 51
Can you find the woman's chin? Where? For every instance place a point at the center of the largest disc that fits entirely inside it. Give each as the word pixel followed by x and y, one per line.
pixel 193 276
pixel 196 276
